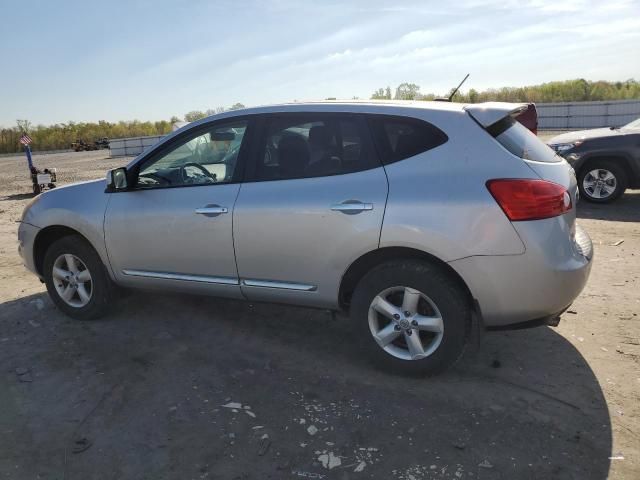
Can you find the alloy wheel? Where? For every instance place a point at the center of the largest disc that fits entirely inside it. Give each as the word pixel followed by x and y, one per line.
pixel 72 280
pixel 599 183
pixel 405 323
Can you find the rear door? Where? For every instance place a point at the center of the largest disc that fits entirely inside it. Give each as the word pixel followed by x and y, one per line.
pixel 499 119
pixel 312 203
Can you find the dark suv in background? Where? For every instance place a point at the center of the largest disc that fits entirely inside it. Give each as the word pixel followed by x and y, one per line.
pixel 606 160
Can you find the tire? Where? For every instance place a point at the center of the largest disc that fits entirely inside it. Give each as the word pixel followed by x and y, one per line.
pixel 36 189
pixel 97 290
pixel 613 177
pixel 439 296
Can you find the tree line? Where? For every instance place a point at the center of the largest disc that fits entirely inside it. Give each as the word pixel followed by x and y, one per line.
pixel 61 135
pixel 579 90
pixel 198 114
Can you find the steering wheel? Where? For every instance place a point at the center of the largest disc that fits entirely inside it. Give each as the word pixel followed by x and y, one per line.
pixel 156 177
pixel 206 172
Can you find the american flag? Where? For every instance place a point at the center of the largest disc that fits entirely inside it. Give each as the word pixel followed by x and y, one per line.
pixel 25 139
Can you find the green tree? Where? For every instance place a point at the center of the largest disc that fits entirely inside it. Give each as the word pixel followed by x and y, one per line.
pixel 407 91
pixel 236 106
pixel 194 115
pixel 214 111
pixel 378 94
pixel 382 94
pixel 24 125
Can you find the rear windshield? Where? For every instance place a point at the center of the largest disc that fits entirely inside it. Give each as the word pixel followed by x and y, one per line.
pixel 520 141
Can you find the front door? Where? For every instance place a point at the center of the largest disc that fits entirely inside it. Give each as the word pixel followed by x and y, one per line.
pixel 313 202
pixel 173 229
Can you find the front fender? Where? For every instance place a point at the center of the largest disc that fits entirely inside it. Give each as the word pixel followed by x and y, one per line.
pixel 586 157
pixel 80 207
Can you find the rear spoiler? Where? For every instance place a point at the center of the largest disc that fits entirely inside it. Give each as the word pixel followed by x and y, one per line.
pixel 488 113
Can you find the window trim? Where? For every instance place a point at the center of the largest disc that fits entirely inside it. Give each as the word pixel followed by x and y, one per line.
pixel 501 126
pixel 381 141
pixel 259 143
pixel 191 133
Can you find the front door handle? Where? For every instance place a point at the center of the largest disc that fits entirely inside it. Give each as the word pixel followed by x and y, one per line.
pixel 211 210
pixel 351 207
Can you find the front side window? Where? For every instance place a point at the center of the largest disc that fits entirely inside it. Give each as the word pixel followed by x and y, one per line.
pixel 310 145
pixel 208 157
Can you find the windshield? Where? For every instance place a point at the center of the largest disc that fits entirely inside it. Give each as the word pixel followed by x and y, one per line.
pixel 635 124
pixel 521 142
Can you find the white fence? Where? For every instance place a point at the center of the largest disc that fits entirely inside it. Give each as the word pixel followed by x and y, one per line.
pixel 583 115
pixel 130 147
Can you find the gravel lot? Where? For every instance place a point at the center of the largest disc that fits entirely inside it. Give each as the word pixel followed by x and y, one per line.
pixel 175 386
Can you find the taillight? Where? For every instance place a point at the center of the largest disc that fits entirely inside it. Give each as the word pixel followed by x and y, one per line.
pixel 522 199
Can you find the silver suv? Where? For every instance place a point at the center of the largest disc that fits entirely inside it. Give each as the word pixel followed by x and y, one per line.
pixel 421 219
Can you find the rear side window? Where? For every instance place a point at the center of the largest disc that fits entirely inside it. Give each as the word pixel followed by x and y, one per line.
pixel 313 145
pixel 520 141
pixel 398 138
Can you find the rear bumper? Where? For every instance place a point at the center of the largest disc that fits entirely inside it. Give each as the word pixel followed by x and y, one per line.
pixel 552 320
pixel 538 284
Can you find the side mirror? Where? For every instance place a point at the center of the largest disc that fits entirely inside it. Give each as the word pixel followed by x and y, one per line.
pixel 117 180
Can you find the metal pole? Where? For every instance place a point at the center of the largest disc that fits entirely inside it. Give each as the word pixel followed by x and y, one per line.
pixel 27 151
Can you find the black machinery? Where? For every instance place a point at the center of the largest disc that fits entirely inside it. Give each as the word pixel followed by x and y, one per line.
pixel 40 179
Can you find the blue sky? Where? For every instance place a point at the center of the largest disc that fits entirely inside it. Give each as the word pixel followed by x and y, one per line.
pixel 149 60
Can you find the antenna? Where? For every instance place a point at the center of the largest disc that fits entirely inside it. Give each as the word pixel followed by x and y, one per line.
pixel 455 90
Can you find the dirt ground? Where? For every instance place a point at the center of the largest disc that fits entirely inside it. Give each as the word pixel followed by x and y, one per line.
pixel 184 387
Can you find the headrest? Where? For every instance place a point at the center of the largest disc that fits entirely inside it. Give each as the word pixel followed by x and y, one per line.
pixel 223 136
pixel 319 135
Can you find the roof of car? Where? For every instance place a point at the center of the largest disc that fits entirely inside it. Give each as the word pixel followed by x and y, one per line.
pixel 360 104
pixel 339 106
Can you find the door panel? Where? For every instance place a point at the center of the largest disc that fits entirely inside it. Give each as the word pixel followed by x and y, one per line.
pixel 286 231
pixel 173 229
pixel 155 238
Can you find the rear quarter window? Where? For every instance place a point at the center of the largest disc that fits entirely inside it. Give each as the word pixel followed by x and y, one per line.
pixel 398 138
pixel 521 142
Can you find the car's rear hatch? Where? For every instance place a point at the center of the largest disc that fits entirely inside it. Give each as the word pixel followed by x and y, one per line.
pixel 497 119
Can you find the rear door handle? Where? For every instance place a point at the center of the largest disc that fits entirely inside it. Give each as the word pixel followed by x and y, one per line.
pixel 351 207
pixel 211 210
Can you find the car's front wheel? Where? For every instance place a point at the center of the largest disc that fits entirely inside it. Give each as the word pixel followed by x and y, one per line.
pixel 411 316
pixel 76 278
pixel 602 181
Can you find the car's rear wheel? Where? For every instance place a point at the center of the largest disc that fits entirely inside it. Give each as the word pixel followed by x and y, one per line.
pixel 411 316
pixel 602 181
pixel 76 279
